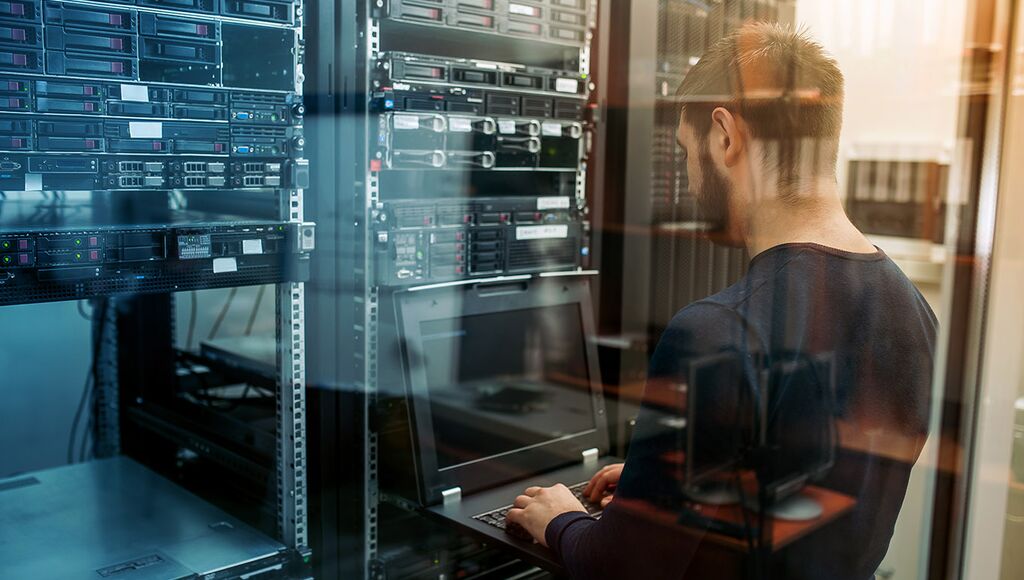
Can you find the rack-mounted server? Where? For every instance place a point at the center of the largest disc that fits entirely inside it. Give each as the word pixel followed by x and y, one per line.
pixel 424 242
pixel 555 21
pixel 47 264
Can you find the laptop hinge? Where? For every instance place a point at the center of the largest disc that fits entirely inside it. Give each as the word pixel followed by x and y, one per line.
pixel 590 456
pixel 453 495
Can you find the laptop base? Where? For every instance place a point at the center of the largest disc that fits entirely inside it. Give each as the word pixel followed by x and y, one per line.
pixel 461 513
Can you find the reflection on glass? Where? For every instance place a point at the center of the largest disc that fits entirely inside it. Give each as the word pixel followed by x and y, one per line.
pixel 506 381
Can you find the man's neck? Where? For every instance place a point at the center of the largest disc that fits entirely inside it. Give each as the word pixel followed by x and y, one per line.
pixel 818 217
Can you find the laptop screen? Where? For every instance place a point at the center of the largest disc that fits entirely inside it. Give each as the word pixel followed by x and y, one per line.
pixel 506 381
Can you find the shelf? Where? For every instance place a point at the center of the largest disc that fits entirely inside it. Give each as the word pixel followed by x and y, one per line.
pixel 114 517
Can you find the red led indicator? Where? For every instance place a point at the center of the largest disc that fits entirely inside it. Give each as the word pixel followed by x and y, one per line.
pixel 115 19
pixel 22 244
pixel 375 165
pixel 93 242
pixel 94 256
pixel 23 259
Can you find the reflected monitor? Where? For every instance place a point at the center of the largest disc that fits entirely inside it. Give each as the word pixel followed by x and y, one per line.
pixel 503 381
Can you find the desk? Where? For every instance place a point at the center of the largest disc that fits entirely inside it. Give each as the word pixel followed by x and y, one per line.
pixel 784 533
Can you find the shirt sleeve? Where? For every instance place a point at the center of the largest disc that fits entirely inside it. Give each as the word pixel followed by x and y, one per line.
pixel 642 540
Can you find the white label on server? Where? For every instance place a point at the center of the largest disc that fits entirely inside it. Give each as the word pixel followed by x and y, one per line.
pixel 542 232
pixel 252 246
pixel 460 124
pixel 523 9
pixel 137 93
pixel 407 122
pixel 558 202
pixel 506 126
pixel 224 265
pixel 550 129
pixel 567 86
pixel 145 130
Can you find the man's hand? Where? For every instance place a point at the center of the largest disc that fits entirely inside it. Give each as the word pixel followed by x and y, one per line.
pixel 603 482
pixel 539 505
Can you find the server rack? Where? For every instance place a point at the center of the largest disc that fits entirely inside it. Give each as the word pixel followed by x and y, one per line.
pixel 463 130
pixel 145 150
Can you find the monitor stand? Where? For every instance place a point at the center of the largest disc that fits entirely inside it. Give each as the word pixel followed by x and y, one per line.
pixel 716 494
pixel 795 508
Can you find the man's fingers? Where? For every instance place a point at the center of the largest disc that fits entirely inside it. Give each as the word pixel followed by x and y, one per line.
pixel 532 491
pixel 516 516
pixel 593 480
pixel 606 501
pixel 522 501
pixel 600 486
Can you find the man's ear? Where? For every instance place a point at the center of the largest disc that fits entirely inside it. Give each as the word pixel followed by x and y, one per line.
pixel 731 138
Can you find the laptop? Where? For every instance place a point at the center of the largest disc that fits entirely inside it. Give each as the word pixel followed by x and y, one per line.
pixel 504 393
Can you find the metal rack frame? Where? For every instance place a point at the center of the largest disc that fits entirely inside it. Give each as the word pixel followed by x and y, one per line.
pixel 115 361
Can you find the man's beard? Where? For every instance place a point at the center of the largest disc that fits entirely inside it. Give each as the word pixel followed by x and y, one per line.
pixel 712 197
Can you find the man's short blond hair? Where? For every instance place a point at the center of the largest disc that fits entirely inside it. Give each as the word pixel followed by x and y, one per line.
pixel 781 82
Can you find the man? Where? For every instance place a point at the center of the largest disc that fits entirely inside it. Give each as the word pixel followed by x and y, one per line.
pixel 760 121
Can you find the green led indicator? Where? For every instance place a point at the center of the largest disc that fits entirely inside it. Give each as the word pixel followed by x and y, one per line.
pixel 7 259
pixel 273 117
pixel 78 242
pixel 7 245
pixel 78 255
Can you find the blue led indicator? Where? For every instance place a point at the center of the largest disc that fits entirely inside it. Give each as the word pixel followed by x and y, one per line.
pixel 389 104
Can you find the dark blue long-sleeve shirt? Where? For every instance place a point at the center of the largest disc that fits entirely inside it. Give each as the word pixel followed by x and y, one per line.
pixel 796 300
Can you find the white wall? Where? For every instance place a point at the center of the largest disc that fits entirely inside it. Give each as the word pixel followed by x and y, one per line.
pixel 902 61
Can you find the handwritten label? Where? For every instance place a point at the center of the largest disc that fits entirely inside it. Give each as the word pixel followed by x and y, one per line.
pixel 558 202
pixel 567 86
pixel 407 122
pixel 550 129
pixel 559 232
pixel 460 125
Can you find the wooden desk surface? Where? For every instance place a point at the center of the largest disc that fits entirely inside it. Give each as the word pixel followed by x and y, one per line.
pixel 784 533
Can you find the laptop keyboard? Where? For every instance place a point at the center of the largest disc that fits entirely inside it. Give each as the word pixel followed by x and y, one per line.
pixel 497 517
